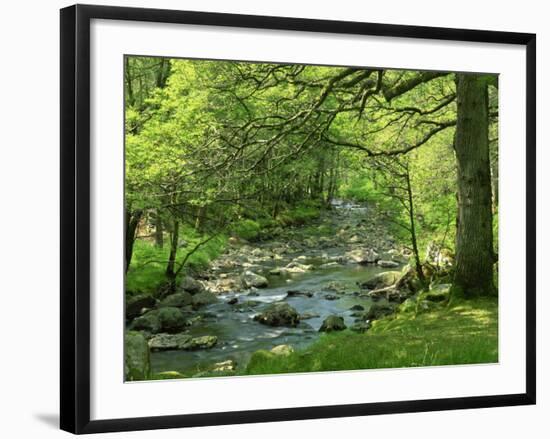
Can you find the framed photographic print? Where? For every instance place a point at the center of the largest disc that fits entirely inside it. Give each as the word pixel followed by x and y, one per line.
pixel 285 218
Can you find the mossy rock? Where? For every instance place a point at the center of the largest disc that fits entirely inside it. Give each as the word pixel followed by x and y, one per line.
pixel 135 305
pixel 204 298
pixel 137 362
pixel 177 300
pixel 147 322
pixel 379 310
pixel 333 323
pixel 171 319
pixel 382 280
pixel 278 314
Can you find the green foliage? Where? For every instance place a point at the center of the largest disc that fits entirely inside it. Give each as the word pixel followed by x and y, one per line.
pixel 247 229
pixel 147 270
pixel 466 333
pixel 301 214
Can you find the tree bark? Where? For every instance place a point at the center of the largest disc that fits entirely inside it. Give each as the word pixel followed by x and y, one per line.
pixel 170 272
pixel 132 222
pixel 418 264
pixel 474 239
pixel 159 237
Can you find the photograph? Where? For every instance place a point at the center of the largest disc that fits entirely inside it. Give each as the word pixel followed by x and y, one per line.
pixel 296 218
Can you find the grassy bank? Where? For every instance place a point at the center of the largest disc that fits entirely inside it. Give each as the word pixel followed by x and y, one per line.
pixel 148 266
pixel 463 333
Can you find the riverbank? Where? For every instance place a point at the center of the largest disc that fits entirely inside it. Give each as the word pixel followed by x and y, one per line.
pixel 333 294
pixel 463 333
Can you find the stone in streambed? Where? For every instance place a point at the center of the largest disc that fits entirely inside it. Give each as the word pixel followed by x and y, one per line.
pixel 381 280
pixel 333 323
pixel 177 300
pixel 204 298
pixel 251 279
pixel 171 319
pixel 387 264
pixel 278 314
pixel 191 285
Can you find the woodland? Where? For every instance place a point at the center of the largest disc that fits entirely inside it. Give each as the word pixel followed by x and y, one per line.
pixel 299 218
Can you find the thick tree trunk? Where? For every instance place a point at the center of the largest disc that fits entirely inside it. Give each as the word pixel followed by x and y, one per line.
pixel 474 239
pixel 170 272
pixel 132 221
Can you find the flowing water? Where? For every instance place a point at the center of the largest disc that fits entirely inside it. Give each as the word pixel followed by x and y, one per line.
pixel 239 335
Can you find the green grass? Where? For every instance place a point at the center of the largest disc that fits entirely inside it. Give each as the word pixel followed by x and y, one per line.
pixel 463 333
pixel 148 264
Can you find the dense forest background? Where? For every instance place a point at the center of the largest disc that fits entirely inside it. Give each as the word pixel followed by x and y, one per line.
pixel 221 150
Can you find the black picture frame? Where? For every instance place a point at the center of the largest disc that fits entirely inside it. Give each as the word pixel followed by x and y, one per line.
pixel 75 217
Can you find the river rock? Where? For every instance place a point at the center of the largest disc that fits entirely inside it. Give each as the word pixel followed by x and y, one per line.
pixel 136 304
pixel 233 301
pixel 171 319
pixel 191 285
pixel 137 363
pixel 224 366
pixel 178 300
pixel 379 310
pixel 283 350
pixel 147 322
pixel 362 256
pixel 251 279
pixel 278 314
pixel 330 297
pixel 387 264
pixel 333 323
pixel 294 293
pixel 381 280
pixel 308 315
pixel 165 342
pixel 296 267
pixel 204 298
pixel 357 307
pixel 204 342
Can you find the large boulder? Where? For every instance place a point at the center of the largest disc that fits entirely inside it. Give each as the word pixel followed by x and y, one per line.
pixel 147 322
pixel 333 323
pixel 136 304
pixel 191 285
pixel 382 280
pixel 204 298
pixel 178 300
pixel 278 314
pixel 137 363
pixel 171 319
pixel 362 256
pixel 251 279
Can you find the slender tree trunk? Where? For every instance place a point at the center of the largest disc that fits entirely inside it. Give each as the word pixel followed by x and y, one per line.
pixel 132 221
pixel 418 264
pixel 474 239
pixel 159 238
pixel 170 272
